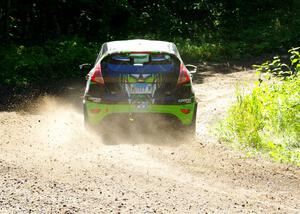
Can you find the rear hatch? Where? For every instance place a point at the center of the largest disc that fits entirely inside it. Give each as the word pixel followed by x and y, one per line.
pixel 140 78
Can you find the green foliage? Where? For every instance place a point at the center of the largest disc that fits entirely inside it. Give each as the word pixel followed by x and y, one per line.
pixel 194 52
pixel 203 30
pixel 249 26
pixel 268 119
pixel 23 65
pixel 211 51
pixel 280 69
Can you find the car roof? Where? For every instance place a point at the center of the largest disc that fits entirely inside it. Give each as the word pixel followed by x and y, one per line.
pixel 139 45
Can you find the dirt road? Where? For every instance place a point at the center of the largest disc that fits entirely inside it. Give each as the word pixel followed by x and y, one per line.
pixel 50 164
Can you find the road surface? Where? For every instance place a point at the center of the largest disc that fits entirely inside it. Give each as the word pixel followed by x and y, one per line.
pixel 50 164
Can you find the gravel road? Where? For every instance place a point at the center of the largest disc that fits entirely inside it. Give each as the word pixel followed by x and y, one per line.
pixel 50 164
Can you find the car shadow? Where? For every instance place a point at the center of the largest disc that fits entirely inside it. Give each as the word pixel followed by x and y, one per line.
pixel 207 69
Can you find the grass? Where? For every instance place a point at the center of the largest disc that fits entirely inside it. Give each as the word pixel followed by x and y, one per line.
pixel 267 120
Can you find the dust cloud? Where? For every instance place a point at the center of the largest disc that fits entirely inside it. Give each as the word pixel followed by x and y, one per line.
pixel 51 138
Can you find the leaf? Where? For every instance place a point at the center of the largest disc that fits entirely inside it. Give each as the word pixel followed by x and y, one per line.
pixel 294 61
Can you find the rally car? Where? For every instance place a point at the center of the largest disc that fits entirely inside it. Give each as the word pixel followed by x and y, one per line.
pixel 139 78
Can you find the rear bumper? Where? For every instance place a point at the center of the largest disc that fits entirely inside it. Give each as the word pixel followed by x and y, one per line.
pixel 97 112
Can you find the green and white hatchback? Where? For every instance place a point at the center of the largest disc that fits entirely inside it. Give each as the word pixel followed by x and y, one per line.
pixel 140 78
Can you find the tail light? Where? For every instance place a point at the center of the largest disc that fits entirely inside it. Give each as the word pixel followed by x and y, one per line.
pixel 184 76
pixel 97 75
pixel 185 111
pixel 95 110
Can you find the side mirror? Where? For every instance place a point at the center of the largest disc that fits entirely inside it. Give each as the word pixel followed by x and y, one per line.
pixel 85 66
pixel 192 68
pixel 84 69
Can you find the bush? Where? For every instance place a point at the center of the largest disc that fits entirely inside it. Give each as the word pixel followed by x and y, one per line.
pixel 268 119
pixel 280 69
pixel 23 65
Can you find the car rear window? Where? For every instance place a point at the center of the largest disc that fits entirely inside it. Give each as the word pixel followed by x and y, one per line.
pixel 141 58
pixel 136 63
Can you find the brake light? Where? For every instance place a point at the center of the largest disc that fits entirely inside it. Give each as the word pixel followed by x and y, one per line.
pixel 97 75
pixel 95 110
pixel 184 76
pixel 185 111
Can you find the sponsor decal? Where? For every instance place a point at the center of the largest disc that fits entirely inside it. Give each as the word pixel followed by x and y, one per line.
pixel 94 99
pixel 186 100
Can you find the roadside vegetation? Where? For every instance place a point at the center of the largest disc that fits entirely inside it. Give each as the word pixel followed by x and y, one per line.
pixel 267 120
pixel 23 65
